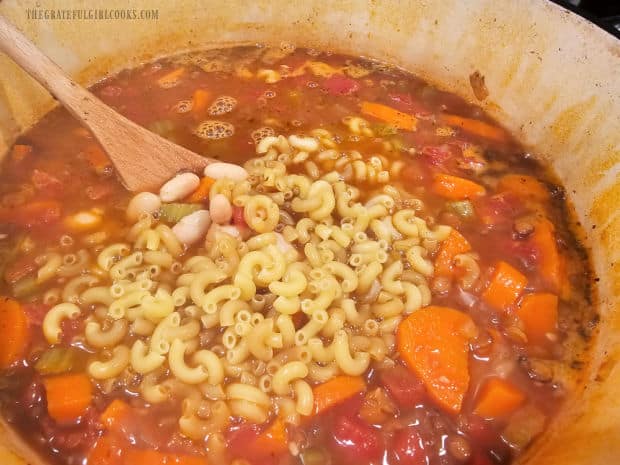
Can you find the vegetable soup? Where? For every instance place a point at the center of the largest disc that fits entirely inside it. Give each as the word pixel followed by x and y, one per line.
pixel 371 271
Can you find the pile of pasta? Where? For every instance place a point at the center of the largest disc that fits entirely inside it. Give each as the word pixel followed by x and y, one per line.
pixel 292 277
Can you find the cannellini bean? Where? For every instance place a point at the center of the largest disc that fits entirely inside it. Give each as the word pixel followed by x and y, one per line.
pixel 219 170
pixel 144 202
pixel 192 227
pixel 220 209
pixel 307 144
pixel 178 187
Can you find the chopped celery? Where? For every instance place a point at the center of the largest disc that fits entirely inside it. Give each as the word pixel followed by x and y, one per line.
pixel 25 287
pixel 57 360
pixel 173 212
pixel 313 456
pixel 383 130
pixel 462 208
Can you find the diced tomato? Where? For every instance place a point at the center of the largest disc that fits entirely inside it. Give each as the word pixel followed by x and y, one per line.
pixel 71 328
pixel 46 183
pixel 436 155
pixel 481 458
pixel 36 213
pixel 404 387
pixel 238 219
pixel 355 441
pixel 408 447
pixel 36 312
pixel 19 269
pixel 523 250
pixel 481 431
pixel 337 84
pixel 240 436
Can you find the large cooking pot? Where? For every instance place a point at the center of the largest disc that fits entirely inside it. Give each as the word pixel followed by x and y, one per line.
pixel 553 78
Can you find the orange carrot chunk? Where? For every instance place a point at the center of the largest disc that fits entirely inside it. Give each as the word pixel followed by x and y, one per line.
pixel 476 127
pixel 434 343
pixel 271 442
pixel 504 287
pixel 390 115
pixel 523 186
pixel 200 100
pixel 171 78
pixel 550 263
pixel 452 246
pixel 498 398
pixel 539 314
pixel 114 414
pixel 202 193
pixel 455 188
pixel 68 396
pixel 335 391
pixel 15 331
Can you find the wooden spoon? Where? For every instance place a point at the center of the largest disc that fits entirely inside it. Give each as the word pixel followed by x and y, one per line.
pixel 143 160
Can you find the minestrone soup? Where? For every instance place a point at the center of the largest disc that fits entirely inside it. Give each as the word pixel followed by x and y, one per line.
pixel 371 271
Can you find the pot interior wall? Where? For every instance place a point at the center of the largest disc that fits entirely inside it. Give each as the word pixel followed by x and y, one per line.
pixel 554 80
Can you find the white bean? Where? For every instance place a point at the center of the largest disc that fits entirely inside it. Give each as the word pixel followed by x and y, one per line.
pixel 307 144
pixel 220 209
pixel 178 187
pixel 144 202
pixel 192 227
pixel 219 170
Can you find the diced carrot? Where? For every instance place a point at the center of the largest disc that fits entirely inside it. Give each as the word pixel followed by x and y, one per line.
pixel 455 188
pixel 453 245
pixel 15 331
pixel 335 391
pixel 271 442
pixel 104 452
pixel 498 398
pixel 200 100
pixel 171 78
pixel 202 193
pixel 504 287
pixel 550 263
pixel 114 414
pixel 20 152
pixel 523 186
pixel 434 343
pixel 68 396
pixel 539 314
pixel 390 115
pixel 476 127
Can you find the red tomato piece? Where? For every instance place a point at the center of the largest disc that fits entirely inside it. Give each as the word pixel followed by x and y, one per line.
pixel 408 447
pixel 356 441
pixel 436 155
pixel 404 387
pixel 35 312
pixel 338 84
pixel 238 218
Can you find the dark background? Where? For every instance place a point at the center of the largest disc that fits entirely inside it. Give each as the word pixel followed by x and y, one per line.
pixel 604 13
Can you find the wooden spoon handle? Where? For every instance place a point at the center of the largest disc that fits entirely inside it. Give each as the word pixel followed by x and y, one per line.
pixel 14 44
pixel 143 160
